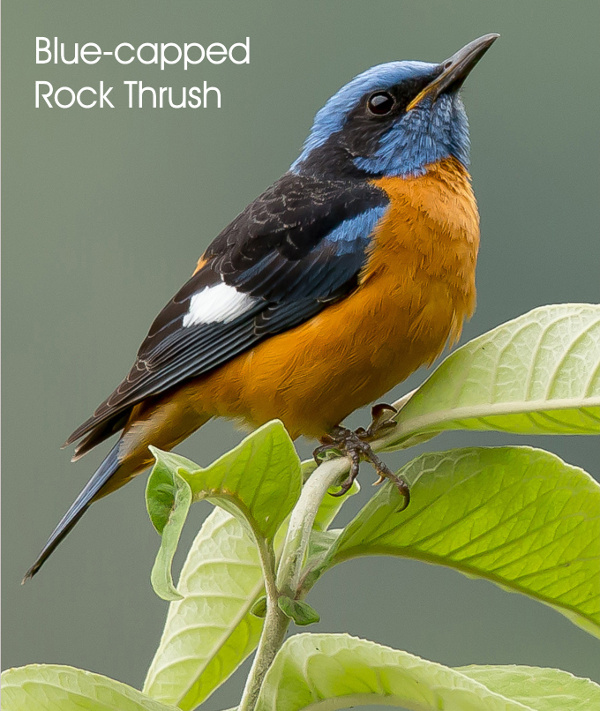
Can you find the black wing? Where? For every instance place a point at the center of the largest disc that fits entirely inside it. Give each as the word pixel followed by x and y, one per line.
pixel 296 248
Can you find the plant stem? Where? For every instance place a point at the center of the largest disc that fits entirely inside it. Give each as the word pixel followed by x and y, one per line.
pixel 290 567
pixel 267 560
pixel 301 522
pixel 271 639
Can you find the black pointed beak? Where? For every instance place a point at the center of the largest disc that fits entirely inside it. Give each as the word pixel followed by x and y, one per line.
pixel 456 69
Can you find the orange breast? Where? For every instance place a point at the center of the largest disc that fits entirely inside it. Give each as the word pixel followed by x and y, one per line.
pixel 415 291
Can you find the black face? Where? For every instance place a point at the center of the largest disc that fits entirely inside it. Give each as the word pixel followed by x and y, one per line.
pixel 365 125
pixel 392 102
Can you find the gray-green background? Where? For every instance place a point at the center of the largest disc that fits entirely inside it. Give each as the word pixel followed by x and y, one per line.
pixel 106 211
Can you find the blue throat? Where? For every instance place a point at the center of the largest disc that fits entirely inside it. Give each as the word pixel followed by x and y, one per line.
pixel 425 135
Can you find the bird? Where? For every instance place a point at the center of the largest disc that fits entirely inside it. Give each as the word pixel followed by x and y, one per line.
pixel 347 274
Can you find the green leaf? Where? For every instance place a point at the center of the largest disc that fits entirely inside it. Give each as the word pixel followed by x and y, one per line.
pixel 169 522
pixel 298 610
pixel 259 609
pixel 211 630
pixel 307 467
pixel 542 689
pixel 329 672
pixel 517 516
pixel 258 481
pixel 537 374
pixel 61 688
pixel 320 544
pixel 161 489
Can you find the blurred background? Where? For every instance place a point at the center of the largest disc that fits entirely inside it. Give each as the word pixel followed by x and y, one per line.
pixel 106 212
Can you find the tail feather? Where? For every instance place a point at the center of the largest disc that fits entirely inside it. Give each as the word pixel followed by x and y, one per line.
pixel 99 434
pixel 104 472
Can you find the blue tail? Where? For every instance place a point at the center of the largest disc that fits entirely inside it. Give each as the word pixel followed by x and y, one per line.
pixel 104 472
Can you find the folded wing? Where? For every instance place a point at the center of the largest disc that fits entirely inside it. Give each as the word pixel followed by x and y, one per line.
pixel 294 250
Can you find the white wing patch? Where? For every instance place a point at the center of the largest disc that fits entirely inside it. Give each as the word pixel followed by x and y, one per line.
pixel 220 303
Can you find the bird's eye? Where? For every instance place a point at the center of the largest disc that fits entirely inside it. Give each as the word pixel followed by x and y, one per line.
pixel 381 103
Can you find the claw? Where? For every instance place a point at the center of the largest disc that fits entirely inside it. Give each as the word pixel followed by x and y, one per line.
pixel 381 418
pixel 355 445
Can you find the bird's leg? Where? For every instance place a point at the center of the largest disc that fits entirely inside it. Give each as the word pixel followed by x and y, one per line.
pixel 355 444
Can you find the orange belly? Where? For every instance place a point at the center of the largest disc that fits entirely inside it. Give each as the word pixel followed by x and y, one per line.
pixel 415 291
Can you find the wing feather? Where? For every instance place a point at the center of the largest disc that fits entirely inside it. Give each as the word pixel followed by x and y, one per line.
pixel 299 246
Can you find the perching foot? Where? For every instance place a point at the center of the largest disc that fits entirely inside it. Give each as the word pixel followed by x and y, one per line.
pixel 355 445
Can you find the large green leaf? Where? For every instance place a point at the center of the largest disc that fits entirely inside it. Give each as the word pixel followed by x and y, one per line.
pixel 537 374
pixel 517 516
pixel 60 688
pixel 327 672
pixel 210 631
pixel 258 481
pixel 542 689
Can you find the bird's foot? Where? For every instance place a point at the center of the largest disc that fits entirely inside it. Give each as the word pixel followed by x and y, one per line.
pixel 355 445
